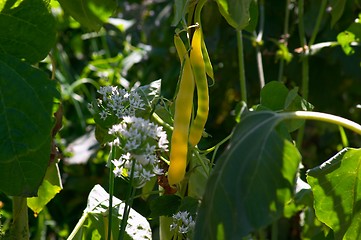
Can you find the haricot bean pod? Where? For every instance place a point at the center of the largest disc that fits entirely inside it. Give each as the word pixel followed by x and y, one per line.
pixel 199 71
pixel 182 117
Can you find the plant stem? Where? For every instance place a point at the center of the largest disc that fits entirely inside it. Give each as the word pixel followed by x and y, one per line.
pixel 285 38
pixel 242 76
pixel 325 117
pixel 128 203
pixel 306 50
pixel 274 230
pixel 205 168
pixel 301 29
pixel 111 191
pixel 318 22
pixel 78 226
pixel 20 225
pixel 258 42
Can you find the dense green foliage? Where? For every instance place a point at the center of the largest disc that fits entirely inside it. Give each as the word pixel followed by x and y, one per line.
pixel 259 168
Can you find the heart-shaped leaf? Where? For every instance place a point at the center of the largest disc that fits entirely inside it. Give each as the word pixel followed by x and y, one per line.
pixel 27 29
pixel 26 105
pixel 336 187
pixel 252 181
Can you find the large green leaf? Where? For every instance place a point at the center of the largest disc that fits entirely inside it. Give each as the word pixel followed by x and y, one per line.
pixel 26 104
pixel 89 13
pixel 252 181
pixel 336 187
pixel 27 29
pixel 236 12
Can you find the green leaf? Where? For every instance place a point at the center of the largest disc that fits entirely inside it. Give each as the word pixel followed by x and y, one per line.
pixel 197 177
pixel 90 13
pixel 253 9
pixel 26 31
pixel 273 96
pixel 94 221
pixel 165 205
pixel 338 6
pixel 180 7
pixel 252 181
pixel 345 39
pixel 336 187
pixel 236 12
pixel 26 104
pixel 49 188
pixel 351 35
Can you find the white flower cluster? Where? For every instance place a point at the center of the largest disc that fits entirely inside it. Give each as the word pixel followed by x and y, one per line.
pixel 182 222
pixel 139 138
pixel 119 101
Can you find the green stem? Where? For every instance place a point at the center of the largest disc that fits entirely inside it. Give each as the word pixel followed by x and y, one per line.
pixel 111 190
pixel 78 226
pixel 274 230
pixel 20 225
pixel 343 136
pixel 318 22
pixel 325 117
pixel 205 168
pixel 128 203
pixel 197 14
pixel 242 76
pixel 285 38
pixel 305 79
pixel 301 26
pixel 160 121
pixel 259 41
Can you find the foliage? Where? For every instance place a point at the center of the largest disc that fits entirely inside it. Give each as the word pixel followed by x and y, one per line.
pixel 259 170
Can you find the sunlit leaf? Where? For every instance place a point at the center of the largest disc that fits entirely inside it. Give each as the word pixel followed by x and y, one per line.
pixel 90 13
pixel 95 219
pixel 336 187
pixel 352 35
pixel 26 104
pixel 48 189
pixel 252 181
pixel 27 32
pixel 236 12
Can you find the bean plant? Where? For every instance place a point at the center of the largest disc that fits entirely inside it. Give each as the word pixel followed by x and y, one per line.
pixel 155 141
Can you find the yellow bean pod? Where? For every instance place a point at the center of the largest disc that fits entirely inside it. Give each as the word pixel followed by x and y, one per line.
pixel 182 117
pixel 199 71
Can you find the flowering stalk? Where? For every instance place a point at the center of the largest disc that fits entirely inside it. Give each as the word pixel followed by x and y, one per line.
pixel 137 140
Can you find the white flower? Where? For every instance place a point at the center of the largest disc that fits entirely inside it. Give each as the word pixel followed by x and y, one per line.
pixel 142 159
pixel 103 115
pixel 157 170
pixel 183 222
pixel 137 137
pixel 118 172
pixel 183 229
